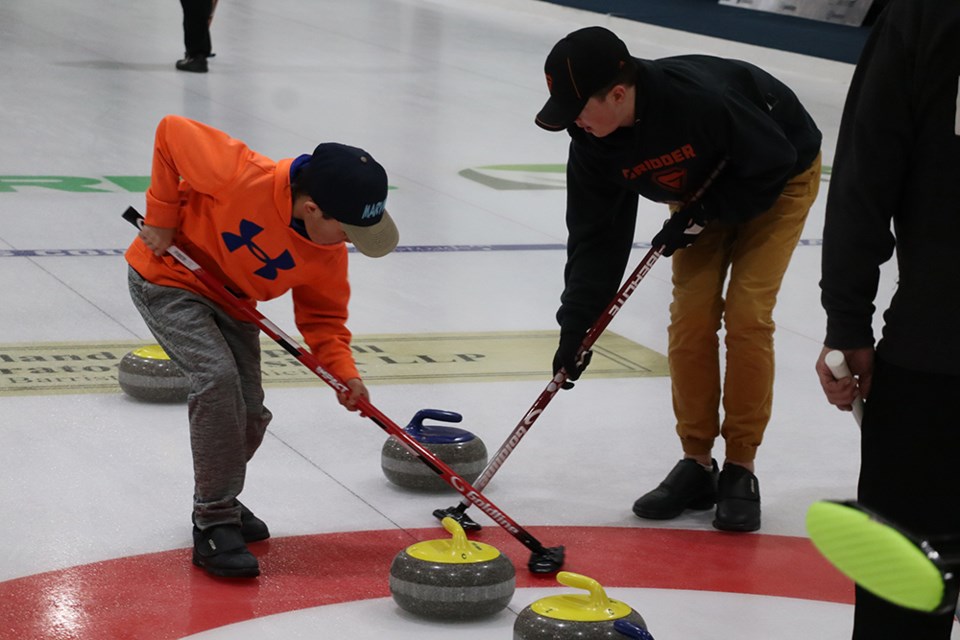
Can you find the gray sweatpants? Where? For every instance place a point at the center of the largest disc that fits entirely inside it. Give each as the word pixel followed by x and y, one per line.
pixel 221 358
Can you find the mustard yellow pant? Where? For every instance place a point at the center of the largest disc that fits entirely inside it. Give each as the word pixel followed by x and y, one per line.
pixel 755 255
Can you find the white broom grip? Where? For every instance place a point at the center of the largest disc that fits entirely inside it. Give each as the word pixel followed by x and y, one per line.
pixel 838 365
pixel 840 370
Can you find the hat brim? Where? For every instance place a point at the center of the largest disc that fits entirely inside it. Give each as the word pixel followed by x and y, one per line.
pixel 374 241
pixel 557 115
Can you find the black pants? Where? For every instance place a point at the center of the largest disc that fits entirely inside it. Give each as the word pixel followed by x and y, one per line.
pixel 910 447
pixel 196 27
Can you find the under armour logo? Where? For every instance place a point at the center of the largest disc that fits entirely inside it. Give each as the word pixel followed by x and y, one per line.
pixel 271 266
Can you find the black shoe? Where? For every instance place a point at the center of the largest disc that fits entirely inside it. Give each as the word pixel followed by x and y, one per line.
pixel 253 528
pixel 738 500
pixel 687 486
pixel 221 551
pixel 196 64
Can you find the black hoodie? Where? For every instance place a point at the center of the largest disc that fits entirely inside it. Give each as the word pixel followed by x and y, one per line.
pixel 691 113
pixel 898 161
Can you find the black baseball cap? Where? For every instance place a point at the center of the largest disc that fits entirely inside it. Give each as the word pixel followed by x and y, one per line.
pixel 351 187
pixel 579 66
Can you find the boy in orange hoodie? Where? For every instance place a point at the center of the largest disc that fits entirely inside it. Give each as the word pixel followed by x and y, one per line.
pixel 264 228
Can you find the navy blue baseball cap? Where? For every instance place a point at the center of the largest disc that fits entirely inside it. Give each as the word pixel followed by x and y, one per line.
pixel 351 187
pixel 579 66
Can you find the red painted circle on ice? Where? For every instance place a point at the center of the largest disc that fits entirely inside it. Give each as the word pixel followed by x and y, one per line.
pixel 162 596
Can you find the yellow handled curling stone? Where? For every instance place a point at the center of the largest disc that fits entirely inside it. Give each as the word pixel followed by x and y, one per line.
pixel 453 578
pixel 588 616
pixel 147 373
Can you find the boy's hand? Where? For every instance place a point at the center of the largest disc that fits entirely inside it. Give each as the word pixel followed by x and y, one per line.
pixel 566 357
pixel 158 239
pixel 681 230
pixel 357 390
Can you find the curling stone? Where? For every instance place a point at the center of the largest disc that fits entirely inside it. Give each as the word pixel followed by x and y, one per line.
pixel 461 450
pixel 148 374
pixel 631 630
pixel 577 616
pixel 452 579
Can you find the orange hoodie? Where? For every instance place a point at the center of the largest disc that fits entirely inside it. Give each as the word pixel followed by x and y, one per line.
pixel 232 209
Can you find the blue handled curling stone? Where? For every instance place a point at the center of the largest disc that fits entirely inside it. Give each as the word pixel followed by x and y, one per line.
pixel 461 450
pixel 148 374
pixel 631 630
pixel 592 616
pixel 452 579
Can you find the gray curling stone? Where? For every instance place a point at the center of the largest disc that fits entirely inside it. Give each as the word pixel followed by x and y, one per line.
pixel 148 374
pixel 452 579
pixel 576 616
pixel 461 450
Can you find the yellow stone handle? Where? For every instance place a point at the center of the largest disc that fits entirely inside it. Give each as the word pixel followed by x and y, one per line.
pixel 460 543
pixel 598 597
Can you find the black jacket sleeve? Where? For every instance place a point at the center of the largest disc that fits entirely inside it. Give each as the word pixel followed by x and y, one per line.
pixel 601 218
pixel 866 187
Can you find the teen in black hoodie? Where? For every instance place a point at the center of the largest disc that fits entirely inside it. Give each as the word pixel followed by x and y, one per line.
pixel 660 129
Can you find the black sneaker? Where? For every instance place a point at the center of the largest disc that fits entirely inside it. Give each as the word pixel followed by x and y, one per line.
pixel 687 486
pixel 221 551
pixel 738 500
pixel 197 64
pixel 252 528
